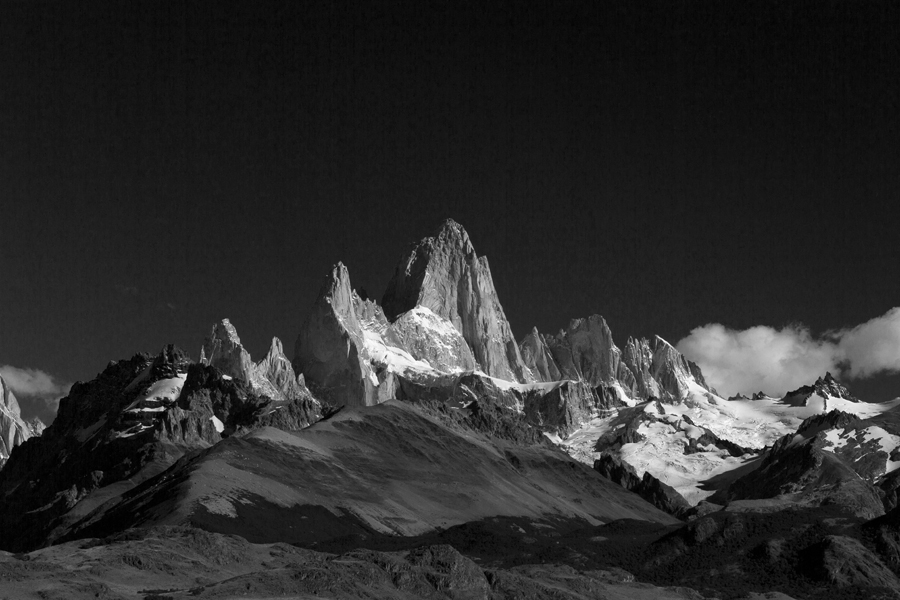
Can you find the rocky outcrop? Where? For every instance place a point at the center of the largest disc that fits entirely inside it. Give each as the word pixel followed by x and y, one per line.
pixel 824 387
pixel 273 376
pixel 35 426
pixel 537 357
pixel 567 406
pixel 648 487
pixel 673 371
pixel 331 349
pixel 444 274
pixel 13 430
pixel 585 351
pixel 278 371
pixel 637 359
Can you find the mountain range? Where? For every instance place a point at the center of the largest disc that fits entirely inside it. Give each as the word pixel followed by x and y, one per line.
pixel 413 448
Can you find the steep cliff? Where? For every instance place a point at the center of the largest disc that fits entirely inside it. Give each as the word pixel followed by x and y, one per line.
pixel 13 430
pixel 444 274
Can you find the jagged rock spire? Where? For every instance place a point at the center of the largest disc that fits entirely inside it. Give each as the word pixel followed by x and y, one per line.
pixel 330 348
pixel 585 351
pixel 13 431
pixel 273 376
pixel 444 274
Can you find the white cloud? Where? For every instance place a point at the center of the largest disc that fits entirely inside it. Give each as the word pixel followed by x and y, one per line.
pixel 779 360
pixel 872 347
pixel 34 383
pixel 759 358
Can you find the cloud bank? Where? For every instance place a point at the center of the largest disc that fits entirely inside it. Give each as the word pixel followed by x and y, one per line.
pixel 779 360
pixel 33 383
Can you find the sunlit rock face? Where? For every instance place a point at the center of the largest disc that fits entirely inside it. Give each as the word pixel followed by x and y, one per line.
pixel 273 376
pixel 330 348
pixel 444 274
pixel 433 339
pixel 585 351
pixel 537 357
pixel 13 431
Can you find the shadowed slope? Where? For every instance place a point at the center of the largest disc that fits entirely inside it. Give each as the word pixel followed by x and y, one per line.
pixel 388 469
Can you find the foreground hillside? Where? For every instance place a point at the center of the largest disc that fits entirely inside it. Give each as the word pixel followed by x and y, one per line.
pixel 175 563
pixel 391 469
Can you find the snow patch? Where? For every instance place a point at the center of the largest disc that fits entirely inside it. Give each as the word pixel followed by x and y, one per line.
pixel 554 438
pixel 220 427
pixel 503 384
pixel 164 390
pixel 835 439
pixel 219 506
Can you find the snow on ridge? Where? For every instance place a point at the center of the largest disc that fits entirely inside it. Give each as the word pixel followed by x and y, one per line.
pixel 395 359
pixel 505 385
pixel 748 423
pixel 163 390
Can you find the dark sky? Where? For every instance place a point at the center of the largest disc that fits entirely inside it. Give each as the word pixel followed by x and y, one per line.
pixel 167 164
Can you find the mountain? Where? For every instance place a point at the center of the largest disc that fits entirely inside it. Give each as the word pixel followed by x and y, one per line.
pixel 585 351
pixel 134 420
pixel 13 430
pixel 444 274
pixel 346 349
pixel 273 376
pixel 694 446
pixel 415 449
pixel 391 469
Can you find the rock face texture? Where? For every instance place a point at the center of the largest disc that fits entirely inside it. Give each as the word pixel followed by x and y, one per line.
pixel 444 274
pixel 273 376
pixel 824 387
pixel 566 406
pixel 538 358
pixel 673 371
pixel 331 348
pixel 585 351
pixel 350 354
pixel 13 431
pixel 277 370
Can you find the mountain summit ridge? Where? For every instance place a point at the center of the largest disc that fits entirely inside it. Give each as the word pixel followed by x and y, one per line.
pixel 444 274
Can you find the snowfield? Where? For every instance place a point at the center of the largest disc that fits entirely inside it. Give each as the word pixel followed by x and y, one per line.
pixel 753 424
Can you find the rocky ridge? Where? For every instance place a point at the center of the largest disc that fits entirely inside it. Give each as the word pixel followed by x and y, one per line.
pixel 273 376
pixel 442 321
pixel 823 388
pixel 585 351
pixel 132 421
